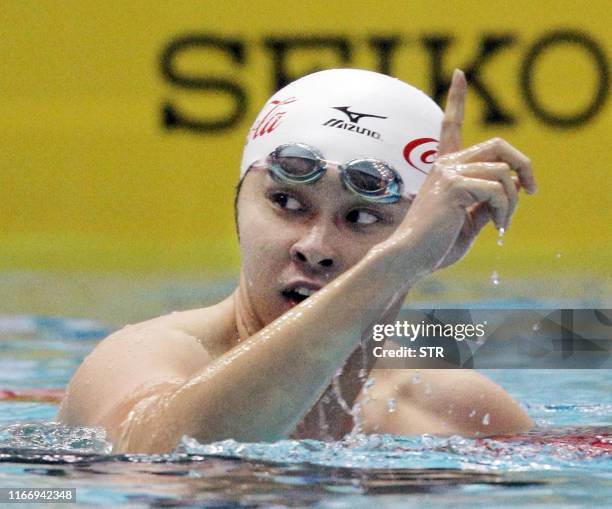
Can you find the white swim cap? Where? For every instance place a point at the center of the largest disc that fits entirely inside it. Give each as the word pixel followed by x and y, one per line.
pixel 351 114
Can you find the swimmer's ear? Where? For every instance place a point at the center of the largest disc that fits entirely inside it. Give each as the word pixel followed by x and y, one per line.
pixel 451 139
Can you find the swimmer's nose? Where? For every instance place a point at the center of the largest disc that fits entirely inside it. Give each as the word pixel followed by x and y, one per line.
pixel 312 259
pixel 313 253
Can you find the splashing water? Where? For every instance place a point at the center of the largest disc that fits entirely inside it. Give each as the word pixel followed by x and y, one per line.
pixel 528 452
pixel 52 435
pixel 391 405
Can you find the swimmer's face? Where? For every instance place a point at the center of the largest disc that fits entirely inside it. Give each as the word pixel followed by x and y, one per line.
pixel 298 237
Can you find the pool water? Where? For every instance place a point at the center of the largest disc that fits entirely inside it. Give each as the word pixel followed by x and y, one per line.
pixel 565 462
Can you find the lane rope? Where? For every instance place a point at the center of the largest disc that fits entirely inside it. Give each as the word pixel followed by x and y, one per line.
pixel 41 395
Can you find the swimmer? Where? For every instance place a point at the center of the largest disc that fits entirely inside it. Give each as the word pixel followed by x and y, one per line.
pixel 341 207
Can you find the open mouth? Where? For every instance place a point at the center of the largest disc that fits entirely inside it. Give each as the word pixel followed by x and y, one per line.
pixel 297 294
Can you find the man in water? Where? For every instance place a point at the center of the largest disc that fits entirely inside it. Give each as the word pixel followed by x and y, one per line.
pixel 333 234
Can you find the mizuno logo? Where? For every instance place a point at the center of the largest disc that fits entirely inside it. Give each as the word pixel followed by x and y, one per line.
pixel 353 116
pixel 351 125
pixel 341 124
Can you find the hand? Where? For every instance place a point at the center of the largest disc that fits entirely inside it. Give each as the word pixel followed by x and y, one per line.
pixel 465 188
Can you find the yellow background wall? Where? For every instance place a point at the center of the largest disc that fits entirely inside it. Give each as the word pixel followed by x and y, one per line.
pixel 91 179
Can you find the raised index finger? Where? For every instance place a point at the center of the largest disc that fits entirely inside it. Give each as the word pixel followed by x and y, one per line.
pixel 452 123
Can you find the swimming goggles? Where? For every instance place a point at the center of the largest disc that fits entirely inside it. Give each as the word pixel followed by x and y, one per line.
pixel 370 179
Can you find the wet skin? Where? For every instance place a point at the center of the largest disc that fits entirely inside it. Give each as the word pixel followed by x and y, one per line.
pixel 258 365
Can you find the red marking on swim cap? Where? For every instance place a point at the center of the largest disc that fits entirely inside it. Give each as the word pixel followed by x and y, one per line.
pixel 426 157
pixel 271 118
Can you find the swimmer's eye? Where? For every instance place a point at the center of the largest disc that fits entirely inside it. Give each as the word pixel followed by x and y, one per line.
pixel 286 201
pixel 361 216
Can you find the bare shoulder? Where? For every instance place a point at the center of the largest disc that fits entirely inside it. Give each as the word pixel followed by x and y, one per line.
pixel 442 402
pixel 139 358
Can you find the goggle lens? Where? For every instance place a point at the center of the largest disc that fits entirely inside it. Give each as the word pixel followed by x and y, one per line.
pixel 369 176
pixel 371 179
pixel 297 162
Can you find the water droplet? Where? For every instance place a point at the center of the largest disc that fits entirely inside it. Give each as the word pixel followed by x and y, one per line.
pixel 495 278
pixel 428 389
pixel 486 420
pixel 391 405
pixel 536 326
pixel 416 379
pixel 356 414
pixel 338 393
pixel 472 413
pixel 500 238
pixel 558 255
pixel 369 383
